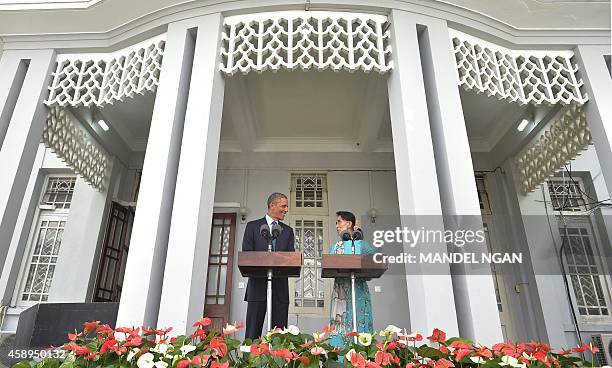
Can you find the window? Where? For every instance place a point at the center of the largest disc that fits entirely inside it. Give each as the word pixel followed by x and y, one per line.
pixel 483 196
pixel 46 238
pixel 580 249
pixel 309 219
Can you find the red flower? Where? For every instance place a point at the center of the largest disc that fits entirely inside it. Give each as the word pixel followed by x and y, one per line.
pixel 306 344
pixel 204 322
pixel 461 349
pixel 216 364
pixel 91 356
pixel 438 336
pixel 358 360
pixel 352 334
pixel 183 363
pixel 90 326
pixel 133 341
pixel 78 350
pixel 444 363
pixel 200 360
pixel 104 330
pixel 259 349
pixel 585 347
pixel 484 352
pixel 304 360
pixel 218 347
pixel 283 354
pixel 108 344
pixel 72 336
pixel 384 358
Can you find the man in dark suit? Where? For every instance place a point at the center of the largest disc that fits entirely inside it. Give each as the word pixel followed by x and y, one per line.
pixel 256 291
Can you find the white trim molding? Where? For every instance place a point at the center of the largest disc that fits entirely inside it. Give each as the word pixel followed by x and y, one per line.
pixel 307 40
pixel 99 79
pixel 558 143
pixel 523 76
pixel 73 144
pixel 46 4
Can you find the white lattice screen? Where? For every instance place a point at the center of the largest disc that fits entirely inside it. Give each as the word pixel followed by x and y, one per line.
pixel 523 76
pixel 306 40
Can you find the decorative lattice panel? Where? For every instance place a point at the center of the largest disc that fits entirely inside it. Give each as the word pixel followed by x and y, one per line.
pixel 558 144
pixel 523 76
pixel 99 79
pixel 306 40
pixel 70 142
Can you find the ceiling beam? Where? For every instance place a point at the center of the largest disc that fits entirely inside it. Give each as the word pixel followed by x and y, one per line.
pixel 372 112
pixel 241 112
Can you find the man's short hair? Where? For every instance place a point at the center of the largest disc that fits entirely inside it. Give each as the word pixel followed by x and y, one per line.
pixel 275 197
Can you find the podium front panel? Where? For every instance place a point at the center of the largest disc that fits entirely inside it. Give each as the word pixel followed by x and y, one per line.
pixel 283 264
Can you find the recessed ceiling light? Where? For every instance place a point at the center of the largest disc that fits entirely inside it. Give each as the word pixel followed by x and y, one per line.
pixel 103 125
pixel 522 125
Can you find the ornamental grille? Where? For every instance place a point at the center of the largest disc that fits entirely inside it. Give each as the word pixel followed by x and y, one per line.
pixel 523 76
pixel 583 271
pixel 59 192
pixel 566 195
pixel 43 261
pixel 70 142
pixel 309 190
pixel 310 288
pixel 99 79
pixel 306 40
pixel 558 144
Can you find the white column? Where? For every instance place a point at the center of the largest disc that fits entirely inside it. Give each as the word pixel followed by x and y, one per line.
pixel 430 296
pixel 142 282
pixel 23 133
pixel 474 289
pixel 596 76
pixel 182 299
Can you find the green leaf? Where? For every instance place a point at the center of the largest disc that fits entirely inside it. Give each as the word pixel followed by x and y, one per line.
pixel 23 364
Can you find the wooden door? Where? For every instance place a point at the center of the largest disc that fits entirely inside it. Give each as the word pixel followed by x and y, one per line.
pixel 220 266
pixel 114 254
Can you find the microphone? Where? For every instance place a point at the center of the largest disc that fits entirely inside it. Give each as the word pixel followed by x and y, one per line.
pixel 345 235
pixel 357 234
pixel 264 230
pixel 276 230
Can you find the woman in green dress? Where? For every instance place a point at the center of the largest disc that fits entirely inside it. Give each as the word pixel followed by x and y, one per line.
pixel 341 316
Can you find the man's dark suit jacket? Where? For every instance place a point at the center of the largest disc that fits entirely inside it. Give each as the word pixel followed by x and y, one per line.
pixel 253 241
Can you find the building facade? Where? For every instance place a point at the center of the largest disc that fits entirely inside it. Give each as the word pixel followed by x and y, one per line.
pixel 136 144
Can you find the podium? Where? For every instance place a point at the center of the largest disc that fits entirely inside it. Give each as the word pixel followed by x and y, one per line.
pixel 269 265
pixel 351 266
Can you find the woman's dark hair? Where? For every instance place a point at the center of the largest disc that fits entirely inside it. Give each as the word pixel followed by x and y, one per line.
pixel 347 216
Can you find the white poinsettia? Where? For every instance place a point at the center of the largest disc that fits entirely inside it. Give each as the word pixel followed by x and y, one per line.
pixel 146 361
pixel 160 348
pixel 132 353
pixel 477 359
pixel 364 338
pixel 186 349
pixel 511 361
pixel 160 364
pixel 294 330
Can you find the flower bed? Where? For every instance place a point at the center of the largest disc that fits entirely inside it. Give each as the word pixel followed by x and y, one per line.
pixel 100 346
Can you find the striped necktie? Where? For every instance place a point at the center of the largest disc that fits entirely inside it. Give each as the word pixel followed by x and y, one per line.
pixel 274 223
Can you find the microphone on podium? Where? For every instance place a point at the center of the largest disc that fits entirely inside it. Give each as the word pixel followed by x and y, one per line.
pixel 264 230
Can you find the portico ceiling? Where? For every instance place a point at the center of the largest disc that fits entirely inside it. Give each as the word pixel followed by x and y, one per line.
pixel 313 111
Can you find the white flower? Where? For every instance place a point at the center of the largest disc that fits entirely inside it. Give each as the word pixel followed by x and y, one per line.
pixel 160 364
pixel 350 353
pixel 294 330
pixel 160 348
pixel 317 350
pixel 511 361
pixel 186 349
pixel 145 361
pixel 364 338
pixel 245 348
pixel 477 359
pixel 132 353
pixel 393 329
